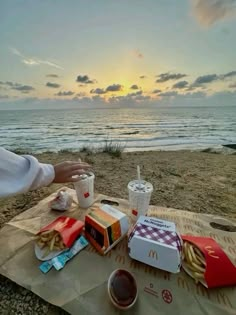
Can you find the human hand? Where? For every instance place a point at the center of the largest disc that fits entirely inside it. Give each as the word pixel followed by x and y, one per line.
pixel 65 171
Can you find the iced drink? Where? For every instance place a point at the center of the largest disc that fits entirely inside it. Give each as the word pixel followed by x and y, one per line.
pixel 139 197
pixel 85 190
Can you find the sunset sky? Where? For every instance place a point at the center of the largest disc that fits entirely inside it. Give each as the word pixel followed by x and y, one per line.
pixel 126 52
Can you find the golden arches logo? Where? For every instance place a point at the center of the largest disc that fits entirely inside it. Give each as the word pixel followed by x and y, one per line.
pixel 153 254
pixel 211 252
pixel 120 259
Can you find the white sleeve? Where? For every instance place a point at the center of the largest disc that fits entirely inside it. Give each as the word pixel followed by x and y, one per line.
pixel 19 174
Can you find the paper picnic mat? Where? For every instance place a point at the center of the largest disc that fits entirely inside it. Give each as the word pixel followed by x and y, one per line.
pixel 81 287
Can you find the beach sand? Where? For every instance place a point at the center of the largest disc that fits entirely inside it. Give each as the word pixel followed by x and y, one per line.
pixel 193 181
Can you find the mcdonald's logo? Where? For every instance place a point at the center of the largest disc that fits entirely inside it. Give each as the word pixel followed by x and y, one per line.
pixel 188 227
pixel 153 254
pixel 108 254
pixel 223 299
pixel 228 240
pixel 232 250
pixel 135 264
pixel 150 270
pixel 167 276
pixel 61 225
pixel 202 291
pixel 120 259
pixel 183 283
pixel 211 252
pixel 214 236
pixel 91 249
pixel 122 246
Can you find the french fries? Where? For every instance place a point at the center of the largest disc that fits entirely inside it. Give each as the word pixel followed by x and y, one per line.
pixel 49 241
pixel 194 260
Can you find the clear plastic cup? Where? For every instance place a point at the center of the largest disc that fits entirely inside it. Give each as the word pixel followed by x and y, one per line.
pixel 85 190
pixel 140 193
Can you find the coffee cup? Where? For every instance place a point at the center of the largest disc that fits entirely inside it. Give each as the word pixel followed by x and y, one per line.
pixel 85 189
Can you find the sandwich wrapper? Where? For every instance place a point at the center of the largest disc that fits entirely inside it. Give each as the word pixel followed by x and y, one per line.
pixel 220 271
pixel 156 243
pixel 62 201
pixel 69 229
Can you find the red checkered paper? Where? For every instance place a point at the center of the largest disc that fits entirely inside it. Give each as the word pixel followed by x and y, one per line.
pixel 158 235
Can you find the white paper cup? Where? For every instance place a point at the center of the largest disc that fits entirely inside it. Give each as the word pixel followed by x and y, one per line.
pixel 85 190
pixel 139 198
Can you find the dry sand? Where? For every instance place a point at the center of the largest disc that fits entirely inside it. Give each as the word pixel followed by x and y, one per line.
pixel 194 181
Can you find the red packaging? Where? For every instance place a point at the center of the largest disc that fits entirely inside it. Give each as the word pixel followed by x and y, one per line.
pixel 220 271
pixel 69 229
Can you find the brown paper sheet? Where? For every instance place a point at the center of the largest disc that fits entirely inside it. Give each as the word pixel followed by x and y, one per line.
pixel 81 287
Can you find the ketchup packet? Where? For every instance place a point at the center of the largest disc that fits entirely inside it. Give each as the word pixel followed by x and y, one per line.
pixel 219 269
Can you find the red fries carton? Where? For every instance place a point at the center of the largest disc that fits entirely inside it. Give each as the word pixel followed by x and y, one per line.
pixel 219 270
pixel 69 229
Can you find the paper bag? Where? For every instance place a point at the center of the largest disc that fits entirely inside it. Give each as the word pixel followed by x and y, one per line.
pixel 84 278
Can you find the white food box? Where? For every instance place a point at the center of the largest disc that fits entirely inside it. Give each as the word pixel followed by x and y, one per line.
pixel 156 242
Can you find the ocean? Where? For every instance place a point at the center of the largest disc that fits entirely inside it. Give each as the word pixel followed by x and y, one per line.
pixel 170 128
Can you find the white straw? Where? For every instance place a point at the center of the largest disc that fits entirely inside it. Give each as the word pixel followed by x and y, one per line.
pixel 138 174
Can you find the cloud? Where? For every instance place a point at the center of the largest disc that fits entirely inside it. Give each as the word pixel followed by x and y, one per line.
pixel 232 86
pixel 141 98
pixel 110 88
pixel 134 87
pixel 142 76
pixel 135 94
pixel 180 85
pixel 97 91
pixel 81 94
pixel 23 88
pixel 52 75
pixel 53 85
pixel 209 78
pixel 8 83
pixel 64 93
pixel 137 53
pixel 33 61
pixel 114 88
pixel 197 94
pixel 169 94
pixel 84 79
pixel 229 74
pixel 17 86
pixel 208 12
pixel 163 77
pixel 129 99
pixel 4 96
pixel 156 91
pixel 204 79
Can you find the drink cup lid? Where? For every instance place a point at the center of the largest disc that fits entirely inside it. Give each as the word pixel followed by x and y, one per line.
pixel 142 186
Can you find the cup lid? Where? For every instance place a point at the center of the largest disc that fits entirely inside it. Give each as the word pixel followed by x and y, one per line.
pixel 83 176
pixel 140 186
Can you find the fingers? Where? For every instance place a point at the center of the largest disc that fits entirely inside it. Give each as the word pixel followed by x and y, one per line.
pixel 79 166
pixel 73 179
pixel 77 172
pixel 74 163
pixel 65 171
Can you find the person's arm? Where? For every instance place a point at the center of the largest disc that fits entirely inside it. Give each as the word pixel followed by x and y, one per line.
pixel 19 174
